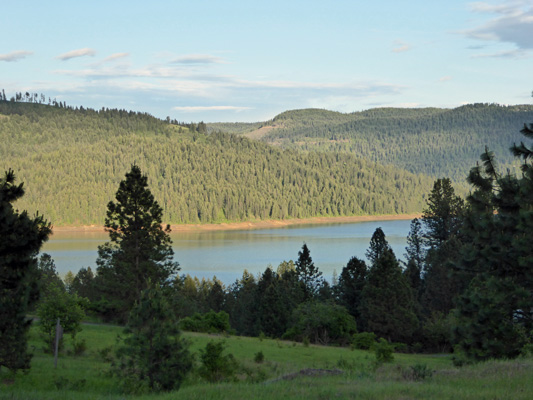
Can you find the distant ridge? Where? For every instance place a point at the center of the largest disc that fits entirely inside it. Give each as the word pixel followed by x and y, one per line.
pixel 72 160
pixel 434 141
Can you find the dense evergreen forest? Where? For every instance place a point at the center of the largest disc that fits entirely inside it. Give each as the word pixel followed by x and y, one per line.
pixel 72 159
pixel 433 141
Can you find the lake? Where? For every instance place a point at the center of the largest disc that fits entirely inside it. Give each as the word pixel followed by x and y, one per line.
pixel 226 254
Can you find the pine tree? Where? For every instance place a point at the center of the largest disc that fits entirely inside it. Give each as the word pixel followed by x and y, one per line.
pixel 22 237
pixel 378 246
pixel 139 249
pixel 387 301
pixel 495 313
pixel 352 280
pixel 307 273
pixel 153 353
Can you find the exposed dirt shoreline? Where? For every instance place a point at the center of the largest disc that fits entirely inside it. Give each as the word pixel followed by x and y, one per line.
pixel 268 224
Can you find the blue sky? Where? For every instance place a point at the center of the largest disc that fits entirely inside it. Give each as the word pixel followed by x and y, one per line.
pixel 250 60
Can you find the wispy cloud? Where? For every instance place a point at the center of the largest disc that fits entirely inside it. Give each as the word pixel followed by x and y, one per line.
pixel 518 53
pixel 15 55
pixel 198 59
pixel 211 108
pixel 114 57
pixel 513 23
pixel 76 53
pixel 400 47
pixel 445 79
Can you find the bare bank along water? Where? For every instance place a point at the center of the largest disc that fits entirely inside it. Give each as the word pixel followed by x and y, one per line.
pixel 226 254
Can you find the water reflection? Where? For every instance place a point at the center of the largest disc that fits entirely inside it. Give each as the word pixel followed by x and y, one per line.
pixel 227 253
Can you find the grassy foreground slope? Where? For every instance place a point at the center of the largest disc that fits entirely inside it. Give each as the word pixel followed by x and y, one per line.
pixel 71 162
pixel 283 374
pixel 433 141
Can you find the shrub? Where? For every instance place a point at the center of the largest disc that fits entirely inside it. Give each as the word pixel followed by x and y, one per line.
pixel 364 340
pixel 215 366
pixel 259 357
pixel 210 322
pixel 321 322
pixel 383 351
pixel 419 372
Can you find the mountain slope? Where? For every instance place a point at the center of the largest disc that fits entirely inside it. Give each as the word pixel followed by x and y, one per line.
pixel 72 161
pixel 438 142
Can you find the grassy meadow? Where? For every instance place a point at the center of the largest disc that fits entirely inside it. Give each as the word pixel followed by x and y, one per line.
pixel 289 370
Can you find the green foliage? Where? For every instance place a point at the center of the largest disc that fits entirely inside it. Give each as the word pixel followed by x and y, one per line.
pixel 383 351
pixel 215 366
pixel 387 300
pixel 364 340
pixel 434 141
pixel 322 323
pixel 153 354
pixel 495 313
pixel 21 239
pixel 418 372
pixel 57 303
pixel 210 322
pixel 139 250
pixel 308 273
pixel 259 357
pixel 74 160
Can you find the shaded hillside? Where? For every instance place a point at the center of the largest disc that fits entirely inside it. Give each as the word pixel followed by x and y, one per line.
pixel 73 160
pixel 438 142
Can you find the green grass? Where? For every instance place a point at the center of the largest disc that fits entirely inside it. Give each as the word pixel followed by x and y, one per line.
pixel 87 377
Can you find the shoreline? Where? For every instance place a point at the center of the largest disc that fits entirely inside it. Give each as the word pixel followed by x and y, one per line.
pixel 250 225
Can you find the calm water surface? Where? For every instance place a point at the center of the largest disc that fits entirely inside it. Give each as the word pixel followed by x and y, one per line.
pixel 226 254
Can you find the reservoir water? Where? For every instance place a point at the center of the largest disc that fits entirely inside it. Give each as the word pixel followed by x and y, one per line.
pixel 226 254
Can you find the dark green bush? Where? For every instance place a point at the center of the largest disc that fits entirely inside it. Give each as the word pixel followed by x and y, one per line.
pixel 210 322
pixel 383 351
pixel 364 340
pixel 216 366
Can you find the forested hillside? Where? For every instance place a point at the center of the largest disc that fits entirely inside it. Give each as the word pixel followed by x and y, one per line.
pixel 71 161
pixel 438 142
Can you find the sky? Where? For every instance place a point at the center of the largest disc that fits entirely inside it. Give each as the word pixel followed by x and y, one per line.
pixel 247 61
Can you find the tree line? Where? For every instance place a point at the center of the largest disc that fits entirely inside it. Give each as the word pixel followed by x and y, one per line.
pixel 437 142
pixel 72 160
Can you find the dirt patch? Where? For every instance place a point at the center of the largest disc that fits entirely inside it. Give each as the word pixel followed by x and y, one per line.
pixel 249 225
pixel 308 372
pixel 261 132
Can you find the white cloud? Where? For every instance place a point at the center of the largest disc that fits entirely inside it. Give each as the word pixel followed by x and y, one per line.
pixel 518 53
pixel 400 47
pixel 445 79
pixel 114 57
pixel 76 53
pixel 211 108
pixel 15 55
pixel 513 23
pixel 198 59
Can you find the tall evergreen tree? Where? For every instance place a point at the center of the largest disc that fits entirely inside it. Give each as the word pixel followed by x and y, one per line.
pixel 495 314
pixel 308 273
pixel 153 353
pixel 22 237
pixel 378 246
pixel 351 283
pixel 139 249
pixel 442 217
pixel 387 301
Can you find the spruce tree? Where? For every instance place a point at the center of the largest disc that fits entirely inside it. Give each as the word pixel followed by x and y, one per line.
pixel 22 237
pixel 352 281
pixel 153 353
pixel 387 304
pixel 378 245
pixel 308 274
pixel 495 314
pixel 139 249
